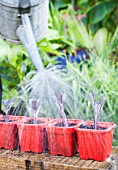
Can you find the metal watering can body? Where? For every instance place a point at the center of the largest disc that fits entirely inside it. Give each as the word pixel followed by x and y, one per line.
pixel 25 21
pixel 9 20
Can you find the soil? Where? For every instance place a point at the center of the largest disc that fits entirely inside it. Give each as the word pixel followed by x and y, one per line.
pixel 10 112
pixel 2 113
pixel 32 122
pixel 62 124
pixel 91 127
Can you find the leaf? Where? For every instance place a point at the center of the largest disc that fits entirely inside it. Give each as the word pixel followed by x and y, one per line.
pixel 78 32
pixel 9 73
pixel 100 10
pixel 80 2
pixel 61 4
pixel 115 36
pixel 8 94
pixel 100 40
pixel 10 51
pixel 53 35
pixel 4 49
pixel 55 46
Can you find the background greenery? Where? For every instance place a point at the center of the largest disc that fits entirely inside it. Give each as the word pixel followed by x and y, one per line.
pixel 74 24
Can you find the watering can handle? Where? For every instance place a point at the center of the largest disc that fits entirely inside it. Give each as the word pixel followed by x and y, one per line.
pixel 24 7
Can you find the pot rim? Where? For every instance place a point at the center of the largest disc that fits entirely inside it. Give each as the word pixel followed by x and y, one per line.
pixel 52 125
pixel 22 122
pixel 109 125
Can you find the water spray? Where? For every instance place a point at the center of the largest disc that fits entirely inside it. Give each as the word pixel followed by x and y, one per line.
pixel 42 85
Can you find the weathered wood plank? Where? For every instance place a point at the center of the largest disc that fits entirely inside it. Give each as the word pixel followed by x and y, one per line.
pixel 87 164
pixel 13 160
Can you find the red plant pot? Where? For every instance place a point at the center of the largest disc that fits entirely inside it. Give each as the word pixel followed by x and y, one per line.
pixel 32 137
pixel 9 133
pixel 95 144
pixel 62 140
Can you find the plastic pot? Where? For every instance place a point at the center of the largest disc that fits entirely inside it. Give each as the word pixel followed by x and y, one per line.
pixel 95 144
pixel 32 137
pixel 62 140
pixel 9 132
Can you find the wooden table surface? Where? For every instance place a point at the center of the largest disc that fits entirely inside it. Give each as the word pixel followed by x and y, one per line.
pixel 17 160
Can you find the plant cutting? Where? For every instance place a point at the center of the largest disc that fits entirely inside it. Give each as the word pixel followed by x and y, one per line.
pixel 60 105
pixel 5 116
pixel 8 127
pixel 8 104
pixel 95 138
pixel 32 133
pixel 35 106
pixel 61 133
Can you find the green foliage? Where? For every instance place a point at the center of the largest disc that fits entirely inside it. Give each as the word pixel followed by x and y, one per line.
pixel 58 31
pixel 99 13
pixel 69 33
pixel 100 78
pixel 13 63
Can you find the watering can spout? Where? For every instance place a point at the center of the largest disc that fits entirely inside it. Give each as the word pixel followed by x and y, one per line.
pixel 26 36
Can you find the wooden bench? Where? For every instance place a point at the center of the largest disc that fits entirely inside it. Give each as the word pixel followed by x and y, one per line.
pixel 17 160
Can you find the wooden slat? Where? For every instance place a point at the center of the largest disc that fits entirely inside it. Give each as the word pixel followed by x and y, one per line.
pixel 115 151
pixel 17 160
pixel 87 164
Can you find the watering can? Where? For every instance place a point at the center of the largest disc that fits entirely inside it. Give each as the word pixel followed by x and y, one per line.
pixel 26 22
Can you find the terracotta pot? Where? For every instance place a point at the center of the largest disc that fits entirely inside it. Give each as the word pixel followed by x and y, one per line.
pixel 95 144
pixel 9 132
pixel 32 137
pixel 62 140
